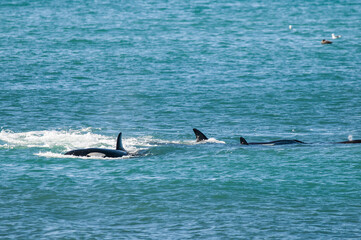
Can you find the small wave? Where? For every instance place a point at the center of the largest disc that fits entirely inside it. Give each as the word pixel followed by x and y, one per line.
pixel 15 4
pixel 80 41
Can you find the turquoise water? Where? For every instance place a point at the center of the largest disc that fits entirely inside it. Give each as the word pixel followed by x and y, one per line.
pixel 73 74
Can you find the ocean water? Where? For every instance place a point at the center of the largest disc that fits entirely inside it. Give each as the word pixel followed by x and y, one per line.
pixel 73 74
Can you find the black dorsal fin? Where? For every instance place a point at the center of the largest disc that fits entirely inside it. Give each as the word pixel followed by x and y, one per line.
pixel 119 143
pixel 199 135
pixel 243 141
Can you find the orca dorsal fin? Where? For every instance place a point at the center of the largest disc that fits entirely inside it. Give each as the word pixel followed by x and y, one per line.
pixel 243 141
pixel 199 135
pixel 119 143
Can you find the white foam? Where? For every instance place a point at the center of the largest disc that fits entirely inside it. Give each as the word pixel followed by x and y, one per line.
pixel 60 141
pixel 53 155
pixel 212 140
pixel 350 137
pixel 5 146
pixel 71 139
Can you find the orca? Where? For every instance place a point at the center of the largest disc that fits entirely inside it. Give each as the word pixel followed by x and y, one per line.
pixel 277 142
pixel 350 141
pixel 199 135
pixel 101 152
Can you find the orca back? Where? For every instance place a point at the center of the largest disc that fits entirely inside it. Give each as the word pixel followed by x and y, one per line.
pixel 284 142
pixel 349 142
pixel 97 152
pixel 277 142
pixel 100 152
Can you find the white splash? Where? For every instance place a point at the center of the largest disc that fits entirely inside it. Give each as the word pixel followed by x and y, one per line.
pixel 71 139
pixel 350 137
pixel 213 140
pixel 59 141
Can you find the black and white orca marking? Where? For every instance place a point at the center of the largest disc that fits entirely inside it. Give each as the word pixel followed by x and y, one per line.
pixel 101 152
pixel 199 135
pixel 277 142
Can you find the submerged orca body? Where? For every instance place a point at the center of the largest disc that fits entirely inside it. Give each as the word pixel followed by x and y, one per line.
pixel 101 152
pixel 352 141
pixel 199 135
pixel 277 142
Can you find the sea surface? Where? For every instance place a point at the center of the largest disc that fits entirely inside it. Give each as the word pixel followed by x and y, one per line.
pixel 73 74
